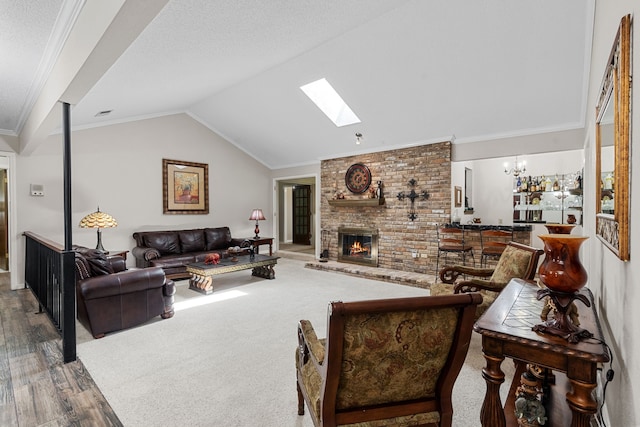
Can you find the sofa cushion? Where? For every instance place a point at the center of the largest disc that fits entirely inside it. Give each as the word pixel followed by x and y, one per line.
pixel 217 238
pixel 191 240
pixel 166 242
pixel 179 260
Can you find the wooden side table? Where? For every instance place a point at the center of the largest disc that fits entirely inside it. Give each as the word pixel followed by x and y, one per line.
pixel 262 241
pixel 506 332
pixel 123 254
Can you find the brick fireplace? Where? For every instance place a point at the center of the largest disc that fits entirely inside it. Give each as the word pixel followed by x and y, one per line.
pixel 358 246
pixel 398 237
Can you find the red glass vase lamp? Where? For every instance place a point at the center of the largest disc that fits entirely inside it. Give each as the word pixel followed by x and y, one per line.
pixel 256 216
pixel 563 275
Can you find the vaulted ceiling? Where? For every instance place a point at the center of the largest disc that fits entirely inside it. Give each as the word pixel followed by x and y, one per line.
pixel 491 73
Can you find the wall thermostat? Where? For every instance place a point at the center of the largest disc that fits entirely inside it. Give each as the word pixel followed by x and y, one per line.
pixel 37 190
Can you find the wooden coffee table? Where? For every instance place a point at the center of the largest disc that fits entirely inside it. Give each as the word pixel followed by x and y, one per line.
pixel 202 274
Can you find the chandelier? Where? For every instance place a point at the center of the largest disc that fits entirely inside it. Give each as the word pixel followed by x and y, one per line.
pixel 517 168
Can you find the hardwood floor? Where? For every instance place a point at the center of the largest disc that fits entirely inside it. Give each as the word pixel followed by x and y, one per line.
pixel 36 387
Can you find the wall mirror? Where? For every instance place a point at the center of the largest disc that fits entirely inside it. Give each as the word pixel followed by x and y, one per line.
pixel 613 128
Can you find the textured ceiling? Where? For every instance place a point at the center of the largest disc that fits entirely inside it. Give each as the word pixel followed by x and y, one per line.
pixel 25 30
pixel 413 71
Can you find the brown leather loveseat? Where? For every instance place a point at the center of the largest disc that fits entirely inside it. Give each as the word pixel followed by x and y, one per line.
pixel 111 298
pixel 174 249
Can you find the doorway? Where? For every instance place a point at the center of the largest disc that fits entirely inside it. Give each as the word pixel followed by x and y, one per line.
pixel 296 214
pixel 301 223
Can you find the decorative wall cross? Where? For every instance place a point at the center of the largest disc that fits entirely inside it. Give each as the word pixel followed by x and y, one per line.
pixel 413 195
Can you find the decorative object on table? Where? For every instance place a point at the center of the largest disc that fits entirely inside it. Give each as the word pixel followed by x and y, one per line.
pixel 357 178
pixel 98 220
pixel 256 216
pixel 372 193
pixel 412 196
pixel 559 228
pixel 212 259
pixel 252 252
pixel 185 187
pixel 563 275
pixel 233 253
pixel 529 409
pixel 571 219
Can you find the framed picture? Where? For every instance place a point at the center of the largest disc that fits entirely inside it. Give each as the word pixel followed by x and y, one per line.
pixel 185 187
pixel 458 196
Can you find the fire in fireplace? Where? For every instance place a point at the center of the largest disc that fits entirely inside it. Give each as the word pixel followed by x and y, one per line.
pixel 358 246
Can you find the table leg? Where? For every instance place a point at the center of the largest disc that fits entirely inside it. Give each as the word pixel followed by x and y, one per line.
pixel 492 414
pixel 265 271
pixel 581 402
pixel 202 284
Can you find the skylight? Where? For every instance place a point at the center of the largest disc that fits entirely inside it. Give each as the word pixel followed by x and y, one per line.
pixel 331 104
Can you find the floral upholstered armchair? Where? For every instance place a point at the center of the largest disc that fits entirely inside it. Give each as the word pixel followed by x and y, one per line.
pixel 517 261
pixel 386 362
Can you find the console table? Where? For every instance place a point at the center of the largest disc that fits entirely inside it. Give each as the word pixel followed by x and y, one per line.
pixel 506 332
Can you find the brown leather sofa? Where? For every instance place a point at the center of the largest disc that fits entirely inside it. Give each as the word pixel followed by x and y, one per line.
pixel 174 249
pixel 111 298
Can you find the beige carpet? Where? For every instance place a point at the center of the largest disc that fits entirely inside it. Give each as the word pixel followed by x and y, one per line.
pixel 293 247
pixel 227 359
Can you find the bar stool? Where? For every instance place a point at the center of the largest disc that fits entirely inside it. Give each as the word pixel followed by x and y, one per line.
pixel 493 243
pixel 451 240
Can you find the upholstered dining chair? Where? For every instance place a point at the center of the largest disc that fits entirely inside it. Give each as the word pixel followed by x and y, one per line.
pixel 517 261
pixel 389 362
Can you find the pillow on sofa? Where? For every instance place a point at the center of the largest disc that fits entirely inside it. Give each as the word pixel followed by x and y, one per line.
pixel 217 238
pixel 165 242
pixel 98 263
pixel 191 240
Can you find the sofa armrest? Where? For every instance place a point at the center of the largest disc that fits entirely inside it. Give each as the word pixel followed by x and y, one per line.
pixel 237 242
pixel 451 273
pixel 127 281
pixel 475 285
pixel 117 263
pixel 145 253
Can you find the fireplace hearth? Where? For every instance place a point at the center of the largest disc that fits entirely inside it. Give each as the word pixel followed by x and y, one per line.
pixel 358 246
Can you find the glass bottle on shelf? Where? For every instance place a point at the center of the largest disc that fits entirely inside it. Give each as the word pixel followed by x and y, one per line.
pixel 608 182
pixel 556 184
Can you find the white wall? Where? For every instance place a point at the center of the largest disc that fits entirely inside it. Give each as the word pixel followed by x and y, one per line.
pixel 613 282
pixel 119 168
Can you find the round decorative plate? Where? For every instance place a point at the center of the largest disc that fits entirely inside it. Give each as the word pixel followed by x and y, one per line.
pixel 358 178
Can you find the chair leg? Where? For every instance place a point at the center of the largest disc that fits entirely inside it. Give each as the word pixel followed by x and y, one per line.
pixel 300 400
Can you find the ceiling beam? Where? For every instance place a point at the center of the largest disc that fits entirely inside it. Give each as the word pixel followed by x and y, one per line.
pixel 102 32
